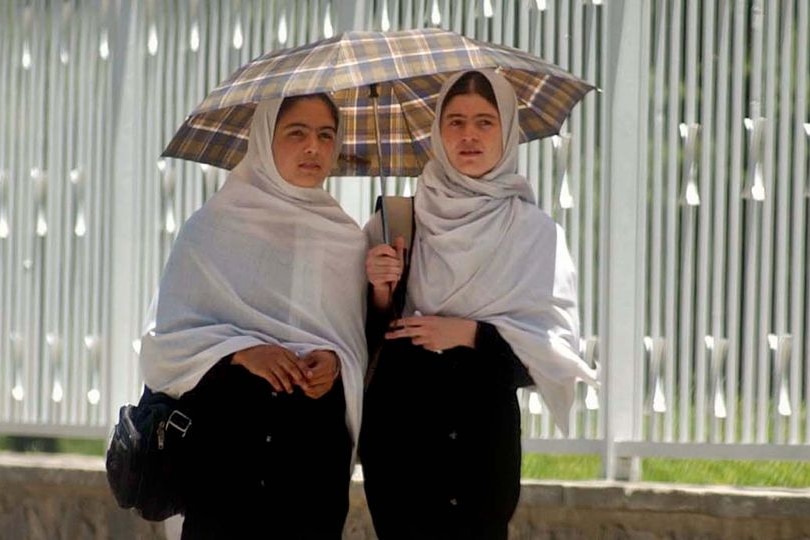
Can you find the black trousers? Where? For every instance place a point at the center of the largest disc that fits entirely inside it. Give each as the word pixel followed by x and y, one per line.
pixel 440 445
pixel 265 464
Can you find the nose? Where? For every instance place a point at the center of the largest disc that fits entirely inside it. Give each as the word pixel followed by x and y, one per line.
pixel 468 133
pixel 311 146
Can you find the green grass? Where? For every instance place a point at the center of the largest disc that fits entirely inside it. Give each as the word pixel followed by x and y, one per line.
pixel 90 447
pixel 559 467
pixel 794 474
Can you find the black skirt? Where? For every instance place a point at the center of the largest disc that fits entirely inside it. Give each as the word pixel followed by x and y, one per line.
pixel 440 443
pixel 266 464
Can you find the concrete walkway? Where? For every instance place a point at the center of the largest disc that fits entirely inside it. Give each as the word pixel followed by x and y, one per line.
pixel 67 497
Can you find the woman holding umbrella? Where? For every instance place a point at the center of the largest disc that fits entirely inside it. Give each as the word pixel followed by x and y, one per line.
pixel 490 306
pixel 259 328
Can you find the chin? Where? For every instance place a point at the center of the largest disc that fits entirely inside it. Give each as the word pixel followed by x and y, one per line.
pixel 307 182
pixel 471 172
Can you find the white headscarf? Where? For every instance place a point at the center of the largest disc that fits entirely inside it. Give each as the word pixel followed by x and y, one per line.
pixel 262 262
pixel 484 251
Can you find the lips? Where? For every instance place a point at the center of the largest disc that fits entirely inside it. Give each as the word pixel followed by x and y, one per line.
pixel 310 166
pixel 470 153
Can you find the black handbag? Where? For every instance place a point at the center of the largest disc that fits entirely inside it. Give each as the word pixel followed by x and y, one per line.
pixel 146 455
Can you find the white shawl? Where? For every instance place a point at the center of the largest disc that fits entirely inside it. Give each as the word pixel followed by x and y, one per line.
pixel 484 251
pixel 263 261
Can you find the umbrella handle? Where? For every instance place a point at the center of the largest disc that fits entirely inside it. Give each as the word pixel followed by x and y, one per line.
pixel 375 96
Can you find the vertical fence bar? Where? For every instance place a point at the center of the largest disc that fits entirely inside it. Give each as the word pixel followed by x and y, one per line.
pixel 781 204
pixel 671 226
pixel 703 263
pixel 686 349
pixel 41 199
pixel 6 179
pixel 92 196
pixel 752 215
pixel 70 113
pixel 739 352
pixel 655 279
pixel 719 134
pixel 799 318
pixel 126 249
pixel 13 250
pixel 100 395
pixel 623 196
pixel 638 366
pixel 79 268
pixel 760 240
pixel 547 156
pixel 588 277
pixel 55 335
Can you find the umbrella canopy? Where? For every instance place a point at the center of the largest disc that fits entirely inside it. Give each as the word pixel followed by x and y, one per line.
pixel 406 67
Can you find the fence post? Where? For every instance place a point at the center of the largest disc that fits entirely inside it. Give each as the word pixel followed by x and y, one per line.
pixel 623 216
pixel 123 326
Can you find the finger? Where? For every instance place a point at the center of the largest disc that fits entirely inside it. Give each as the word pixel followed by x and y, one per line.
pixel 383 250
pixel 386 260
pixel 289 366
pixel 321 389
pixel 384 279
pixel 380 272
pixel 283 378
pixel 402 333
pixel 321 373
pixel 384 270
pixel 270 377
pixel 409 322
pixel 278 367
pixel 320 379
pixel 399 246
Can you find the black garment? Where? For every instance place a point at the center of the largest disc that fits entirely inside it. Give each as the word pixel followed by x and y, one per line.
pixel 265 465
pixel 440 441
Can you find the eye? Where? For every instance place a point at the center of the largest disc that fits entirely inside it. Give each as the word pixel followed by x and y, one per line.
pixel 296 133
pixel 326 136
pixel 485 123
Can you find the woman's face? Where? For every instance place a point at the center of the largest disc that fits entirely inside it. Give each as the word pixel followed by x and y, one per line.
pixel 303 142
pixel 471 134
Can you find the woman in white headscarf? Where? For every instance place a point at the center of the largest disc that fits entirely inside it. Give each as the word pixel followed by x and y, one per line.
pixel 490 306
pixel 260 329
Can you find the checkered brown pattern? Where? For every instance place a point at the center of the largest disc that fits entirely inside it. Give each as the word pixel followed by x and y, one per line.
pixel 408 67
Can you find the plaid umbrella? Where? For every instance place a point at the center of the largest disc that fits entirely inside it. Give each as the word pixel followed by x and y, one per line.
pixel 406 68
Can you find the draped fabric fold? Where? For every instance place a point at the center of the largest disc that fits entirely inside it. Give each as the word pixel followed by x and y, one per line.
pixel 485 251
pixel 262 262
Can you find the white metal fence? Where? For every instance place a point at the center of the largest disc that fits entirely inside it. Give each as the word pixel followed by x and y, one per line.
pixel 683 187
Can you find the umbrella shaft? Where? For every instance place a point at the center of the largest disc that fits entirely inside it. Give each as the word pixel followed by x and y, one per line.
pixel 374 99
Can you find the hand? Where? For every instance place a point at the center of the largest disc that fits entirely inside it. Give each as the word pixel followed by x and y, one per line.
pixel 384 265
pixel 275 364
pixel 435 333
pixel 321 368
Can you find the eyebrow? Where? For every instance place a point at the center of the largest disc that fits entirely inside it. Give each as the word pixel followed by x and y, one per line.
pixel 307 126
pixel 480 115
